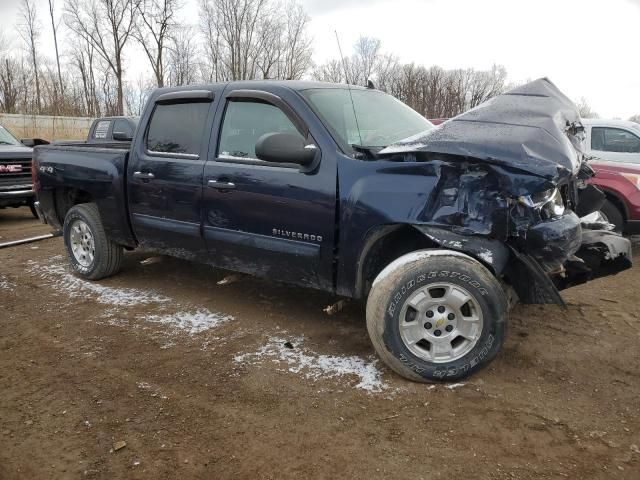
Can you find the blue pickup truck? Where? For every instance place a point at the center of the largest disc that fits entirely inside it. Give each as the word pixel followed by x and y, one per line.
pixel 348 190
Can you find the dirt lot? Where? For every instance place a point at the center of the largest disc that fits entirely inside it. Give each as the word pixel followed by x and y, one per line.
pixel 196 378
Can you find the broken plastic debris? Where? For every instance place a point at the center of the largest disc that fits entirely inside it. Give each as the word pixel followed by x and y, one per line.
pixel 119 445
pixel 453 386
pixel 151 260
pixel 335 308
pixel 230 279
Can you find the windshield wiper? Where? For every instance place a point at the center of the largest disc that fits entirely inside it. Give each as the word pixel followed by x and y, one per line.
pixel 2 142
pixel 370 151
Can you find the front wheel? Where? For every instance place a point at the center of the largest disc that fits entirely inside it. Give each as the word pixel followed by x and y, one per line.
pixel 436 315
pixel 91 253
pixel 612 214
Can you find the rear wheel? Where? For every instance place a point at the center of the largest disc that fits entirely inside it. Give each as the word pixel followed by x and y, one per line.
pixel 436 315
pixel 612 214
pixel 33 209
pixel 91 253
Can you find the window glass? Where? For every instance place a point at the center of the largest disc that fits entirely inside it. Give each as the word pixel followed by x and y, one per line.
pixel 366 117
pixel 245 122
pixel 177 128
pixel 102 127
pixel 614 140
pixel 6 138
pixel 124 127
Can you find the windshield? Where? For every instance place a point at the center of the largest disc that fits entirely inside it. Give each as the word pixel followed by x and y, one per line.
pixel 379 120
pixel 6 138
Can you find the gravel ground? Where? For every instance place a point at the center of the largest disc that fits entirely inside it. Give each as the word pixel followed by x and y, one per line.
pixel 160 372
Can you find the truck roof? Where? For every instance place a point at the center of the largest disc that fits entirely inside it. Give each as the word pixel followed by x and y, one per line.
pixel 606 122
pixel 291 84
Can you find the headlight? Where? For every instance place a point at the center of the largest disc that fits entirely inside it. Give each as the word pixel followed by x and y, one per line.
pixel 549 203
pixel 633 178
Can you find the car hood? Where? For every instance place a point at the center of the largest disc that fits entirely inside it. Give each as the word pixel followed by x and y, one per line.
pixel 15 151
pixel 534 128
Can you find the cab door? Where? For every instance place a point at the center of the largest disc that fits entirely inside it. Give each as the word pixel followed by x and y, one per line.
pixel 165 174
pixel 268 219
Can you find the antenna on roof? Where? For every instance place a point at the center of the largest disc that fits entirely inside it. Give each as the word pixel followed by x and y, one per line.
pixel 346 76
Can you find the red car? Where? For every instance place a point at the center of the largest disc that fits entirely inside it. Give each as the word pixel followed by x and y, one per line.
pixel 621 184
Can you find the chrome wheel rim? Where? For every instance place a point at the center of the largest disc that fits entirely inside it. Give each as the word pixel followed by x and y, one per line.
pixel 82 243
pixel 441 322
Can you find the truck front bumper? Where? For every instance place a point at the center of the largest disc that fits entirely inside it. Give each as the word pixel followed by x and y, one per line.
pixel 16 196
pixel 563 253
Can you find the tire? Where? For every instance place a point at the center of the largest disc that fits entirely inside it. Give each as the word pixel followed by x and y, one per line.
pixel 417 280
pixel 33 210
pixel 613 215
pixel 92 254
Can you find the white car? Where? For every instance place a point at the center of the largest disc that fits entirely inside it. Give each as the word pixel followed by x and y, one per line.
pixel 613 140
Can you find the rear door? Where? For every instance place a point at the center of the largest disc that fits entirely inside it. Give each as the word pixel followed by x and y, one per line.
pixel 270 220
pixel 165 174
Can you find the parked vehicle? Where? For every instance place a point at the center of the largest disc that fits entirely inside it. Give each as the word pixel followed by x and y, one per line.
pixel 16 189
pixel 312 184
pixel 615 148
pixel 613 140
pixel 112 129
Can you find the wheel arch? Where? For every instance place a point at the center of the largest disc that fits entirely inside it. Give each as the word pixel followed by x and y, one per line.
pixel 389 242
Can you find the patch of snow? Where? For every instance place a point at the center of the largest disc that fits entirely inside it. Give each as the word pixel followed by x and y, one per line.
pixel 453 386
pixel 487 256
pixel 6 284
pixel 188 319
pixel 190 322
pixel 74 286
pixel 315 366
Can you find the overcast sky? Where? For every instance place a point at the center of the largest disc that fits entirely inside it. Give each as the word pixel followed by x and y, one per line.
pixel 589 48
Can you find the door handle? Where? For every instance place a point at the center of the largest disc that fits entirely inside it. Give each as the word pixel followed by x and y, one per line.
pixel 144 175
pixel 221 185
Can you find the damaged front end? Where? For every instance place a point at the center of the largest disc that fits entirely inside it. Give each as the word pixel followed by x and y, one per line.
pixel 511 191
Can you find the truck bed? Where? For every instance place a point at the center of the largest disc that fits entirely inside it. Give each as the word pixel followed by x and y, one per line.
pixel 95 172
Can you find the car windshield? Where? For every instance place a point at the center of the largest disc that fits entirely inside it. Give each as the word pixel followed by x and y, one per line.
pixel 374 119
pixel 6 138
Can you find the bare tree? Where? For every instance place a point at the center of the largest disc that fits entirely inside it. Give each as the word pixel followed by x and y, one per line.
pixel 247 39
pixel 585 109
pixel 29 30
pixel 635 118
pixel 433 92
pixel 367 53
pixel 107 25
pixel 183 53
pixel 54 28
pixel 154 31
pixel 83 58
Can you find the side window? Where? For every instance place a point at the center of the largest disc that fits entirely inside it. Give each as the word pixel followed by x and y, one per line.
pixel 102 127
pixel 177 128
pixel 245 122
pixel 123 126
pixel 614 140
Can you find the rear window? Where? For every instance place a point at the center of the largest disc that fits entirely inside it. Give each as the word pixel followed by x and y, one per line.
pixel 123 126
pixel 177 128
pixel 102 127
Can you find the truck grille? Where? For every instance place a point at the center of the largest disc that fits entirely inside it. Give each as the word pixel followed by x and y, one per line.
pixel 14 172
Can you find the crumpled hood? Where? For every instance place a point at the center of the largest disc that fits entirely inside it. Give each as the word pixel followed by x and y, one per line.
pixel 534 128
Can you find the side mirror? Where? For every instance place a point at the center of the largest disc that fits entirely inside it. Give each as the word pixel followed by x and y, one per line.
pixel 285 148
pixel 122 136
pixel 33 142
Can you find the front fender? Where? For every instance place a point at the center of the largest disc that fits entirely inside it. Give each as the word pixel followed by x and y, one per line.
pixel 492 253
